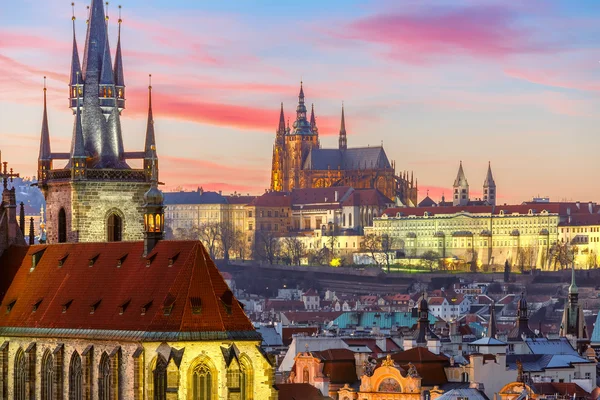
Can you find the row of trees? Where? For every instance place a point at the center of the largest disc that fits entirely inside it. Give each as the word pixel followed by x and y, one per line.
pixel 221 239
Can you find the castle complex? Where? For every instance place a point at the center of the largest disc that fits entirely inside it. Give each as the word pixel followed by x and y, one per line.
pixel 299 161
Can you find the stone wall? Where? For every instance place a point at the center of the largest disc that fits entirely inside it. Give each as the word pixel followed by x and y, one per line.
pixel 134 354
pixel 89 203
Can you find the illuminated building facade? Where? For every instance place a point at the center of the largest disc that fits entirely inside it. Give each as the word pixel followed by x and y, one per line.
pixel 300 162
pixel 487 234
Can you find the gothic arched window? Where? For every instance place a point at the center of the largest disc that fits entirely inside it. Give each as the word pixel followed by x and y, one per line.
pixel 350 220
pixel 20 375
pixel 104 374
pixel 305 375
pixel 114 228
pixel 47 376
pixel 62 226
pixel 202 383
pixel 75 378
pixel 160 379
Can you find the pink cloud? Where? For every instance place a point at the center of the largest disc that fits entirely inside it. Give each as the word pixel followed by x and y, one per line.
pixel 483 31
pixel 553 78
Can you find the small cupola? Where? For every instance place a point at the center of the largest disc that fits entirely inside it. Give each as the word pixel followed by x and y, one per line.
pixel 154 223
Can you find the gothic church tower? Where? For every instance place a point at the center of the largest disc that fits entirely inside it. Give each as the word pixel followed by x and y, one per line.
pixel 489 188
pixel 97 196
pixel 461 188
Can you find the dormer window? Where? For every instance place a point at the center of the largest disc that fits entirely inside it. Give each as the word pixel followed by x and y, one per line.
pixel 66 306
pixel 36 305
pixel 95 306
pixel 124 306
pixel 10 305
pixel 196 303
pixel 173 259
pixel 121 260
pixel 150 259
pixel 93 260
pixel 146 307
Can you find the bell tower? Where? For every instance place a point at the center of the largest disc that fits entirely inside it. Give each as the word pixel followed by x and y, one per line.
pixel 460 188
pixel 96 196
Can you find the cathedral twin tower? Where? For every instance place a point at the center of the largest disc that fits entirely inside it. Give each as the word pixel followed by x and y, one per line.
pixel 97 196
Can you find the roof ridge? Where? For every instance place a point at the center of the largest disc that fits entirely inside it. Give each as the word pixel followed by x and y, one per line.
pixel 207 259
pixel 189 284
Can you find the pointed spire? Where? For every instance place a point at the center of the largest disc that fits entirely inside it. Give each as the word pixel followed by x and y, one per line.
pixel 313 122
pixel 492 329
pixel 31 232
pixel 343 141
pixel 75 63
pixel 573 289
pixel 119 76
pixel 489 179
pixel 281 127
pixel 45 153
pixel 301 95
pixel 78 150
pixel 150 144
pixel 461 179
pixel 107 77
pixel 96 38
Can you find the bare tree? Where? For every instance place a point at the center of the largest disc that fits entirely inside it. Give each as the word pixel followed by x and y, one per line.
pixel 294 249
pixel 331 242
pixel 189 233
pixel 240 245
pixel 430 258
pixel 266 246
pixel 226 237
pixel 389 244
pixel 562 254
pixel 372 245
pixel 526 257
pixel 591 260
pixel 209 235
pixel 471 259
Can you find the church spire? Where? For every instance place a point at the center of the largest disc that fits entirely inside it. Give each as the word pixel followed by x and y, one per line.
pixel 78 155
pixel 301 125
pixel 118 73
pixel 492 329
pixel 281 127
pixel 45 155
pixel 313 121
pixel 573 289
pixel 461 188
pixel 343 141
pixel 150 143
pixel 95 44
pixel 75 63
pixel 489 187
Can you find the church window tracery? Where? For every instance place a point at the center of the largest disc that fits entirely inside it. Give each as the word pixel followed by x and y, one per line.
pixel 202 383
pixel 47 376
pixel 104 375
pixel 75 378
pixel 20 374
pixel 159 378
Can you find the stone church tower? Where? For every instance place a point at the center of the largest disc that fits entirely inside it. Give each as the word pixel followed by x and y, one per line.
pixel 489 188
pixel 460 188
pixel 97 196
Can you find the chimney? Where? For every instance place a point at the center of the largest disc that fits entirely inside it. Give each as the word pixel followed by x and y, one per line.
pixel 578 205
pixel 336 196
pixel 591 207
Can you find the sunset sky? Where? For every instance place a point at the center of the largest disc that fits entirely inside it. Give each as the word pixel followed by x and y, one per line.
pixel 516 83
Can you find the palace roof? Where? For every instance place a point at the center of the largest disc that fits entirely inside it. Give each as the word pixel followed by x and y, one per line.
pixel 108 290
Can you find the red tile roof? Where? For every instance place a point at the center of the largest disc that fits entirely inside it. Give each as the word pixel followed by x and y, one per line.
pixel 553 208
pixel 92 291
pixel 564 389
pixel 298 391
pixel 273 199
pixel 339 365
pixel 430 366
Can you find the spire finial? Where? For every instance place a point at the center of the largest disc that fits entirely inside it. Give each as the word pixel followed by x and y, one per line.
pixel 73 17
pixel 573 288
pixel 45 89
pixel 150 82
pixel 87 21
pixel 120 19
pixel 107 17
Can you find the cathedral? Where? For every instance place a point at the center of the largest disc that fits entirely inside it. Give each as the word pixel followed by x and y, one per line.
pixel 300 162
pixel 108 310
